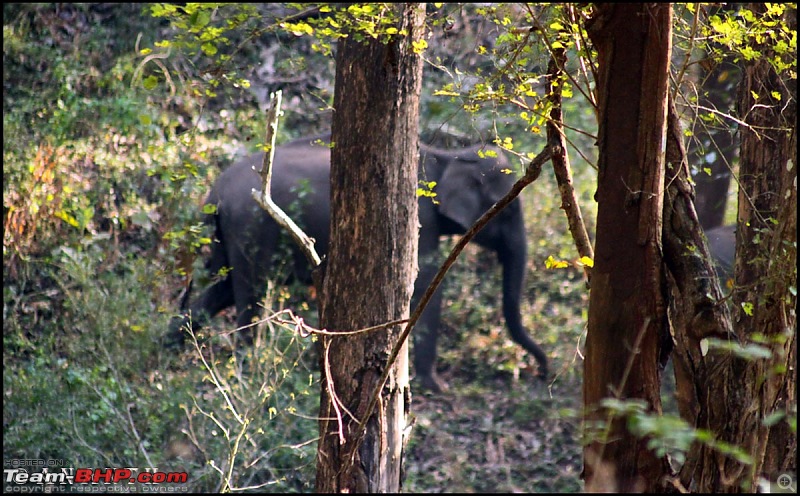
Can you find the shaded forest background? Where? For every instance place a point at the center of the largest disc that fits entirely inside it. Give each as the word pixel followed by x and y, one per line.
pixel 108 153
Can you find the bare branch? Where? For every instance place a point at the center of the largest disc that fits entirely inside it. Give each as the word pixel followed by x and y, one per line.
pixel 264 197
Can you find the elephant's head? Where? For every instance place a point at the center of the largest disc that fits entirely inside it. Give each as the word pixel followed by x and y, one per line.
pixel 472 180
pixel 468 184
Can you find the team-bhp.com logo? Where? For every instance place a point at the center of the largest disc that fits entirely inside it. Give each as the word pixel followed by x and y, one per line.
pixel 49 477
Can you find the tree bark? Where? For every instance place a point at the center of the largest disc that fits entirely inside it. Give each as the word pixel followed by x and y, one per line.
pixel 372 257
pixel 766 255
pixel 724 393
pixel 627 317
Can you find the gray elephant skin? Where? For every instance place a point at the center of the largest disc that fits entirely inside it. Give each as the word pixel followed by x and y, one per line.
pixel 246 237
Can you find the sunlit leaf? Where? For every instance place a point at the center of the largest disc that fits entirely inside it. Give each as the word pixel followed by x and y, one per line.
pixel 552 263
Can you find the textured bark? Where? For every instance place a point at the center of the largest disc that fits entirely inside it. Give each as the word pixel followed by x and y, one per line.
pixel 697 309
pixel 766 258
pixel 372 258
pixel 719 391
pixel 627 317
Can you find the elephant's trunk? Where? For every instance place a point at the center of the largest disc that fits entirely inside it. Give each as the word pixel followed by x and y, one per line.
pixel 512 256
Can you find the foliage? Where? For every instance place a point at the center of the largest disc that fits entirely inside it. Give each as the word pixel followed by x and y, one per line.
pixel 746 32
pixel 101 182
pixel 118 397
pixel 253 423
pixel 115 119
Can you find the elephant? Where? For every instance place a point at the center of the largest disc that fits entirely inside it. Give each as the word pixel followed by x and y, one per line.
pixel 466 186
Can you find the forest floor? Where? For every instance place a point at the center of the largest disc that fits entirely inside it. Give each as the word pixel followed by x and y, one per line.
pixel 501 433
pixel 499 428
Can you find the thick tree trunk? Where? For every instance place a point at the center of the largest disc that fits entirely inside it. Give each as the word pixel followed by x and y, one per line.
pixel 766 257
pixel 372 258
pixel 738 398
pixel 627 316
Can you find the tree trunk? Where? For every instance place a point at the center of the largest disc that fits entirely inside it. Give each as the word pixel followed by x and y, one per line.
pixel 627 317
pixel 714 145
pixel 766 256
pixel 738 399
pixel 372 257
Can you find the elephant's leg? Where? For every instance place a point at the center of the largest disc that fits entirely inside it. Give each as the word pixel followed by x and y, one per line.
pixel 426 331
pixel 248 289
pixel 213 300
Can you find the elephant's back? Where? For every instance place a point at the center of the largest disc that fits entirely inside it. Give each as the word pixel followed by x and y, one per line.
pixel 300 184
pixel 295 165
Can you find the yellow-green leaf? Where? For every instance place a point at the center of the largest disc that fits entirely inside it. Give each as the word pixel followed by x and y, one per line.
pixel 552 263
pixel 150 82
pixel 444 93
pixel 209 49
pixel 419 46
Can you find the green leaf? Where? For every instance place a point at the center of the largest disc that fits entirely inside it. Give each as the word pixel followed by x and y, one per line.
pixel 748 352
pixel 150 82
pixel 209 49
pixel 773 418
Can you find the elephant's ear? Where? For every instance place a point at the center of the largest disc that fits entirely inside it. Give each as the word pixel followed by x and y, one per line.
pixel 460 193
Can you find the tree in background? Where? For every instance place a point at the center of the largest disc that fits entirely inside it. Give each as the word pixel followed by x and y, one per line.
pixel 765 290
pixel 372 259
pixel 733 387
pixel 711 97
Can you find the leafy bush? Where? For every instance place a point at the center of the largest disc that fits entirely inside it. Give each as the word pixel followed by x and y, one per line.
pixel 102 182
